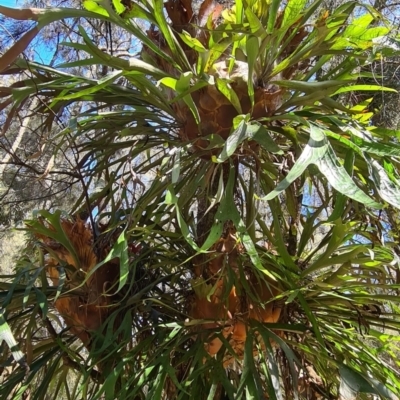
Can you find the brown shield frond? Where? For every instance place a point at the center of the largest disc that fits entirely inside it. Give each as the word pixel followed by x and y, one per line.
pixel 230 309
pixel 86 311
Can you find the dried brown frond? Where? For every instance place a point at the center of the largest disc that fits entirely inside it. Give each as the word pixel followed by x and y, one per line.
pixel 86 312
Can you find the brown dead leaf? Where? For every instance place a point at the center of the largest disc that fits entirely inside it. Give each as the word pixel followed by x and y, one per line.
pixel 23 14
pixel 14 111
pixel 19 47
pixel 49 167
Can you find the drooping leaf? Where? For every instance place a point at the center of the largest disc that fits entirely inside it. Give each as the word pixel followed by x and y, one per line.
pixel 7 336
pixel 318 151
pixel 233 141
pixel 353 382
pixel 389 190
pixel 313 151
pixel 338 177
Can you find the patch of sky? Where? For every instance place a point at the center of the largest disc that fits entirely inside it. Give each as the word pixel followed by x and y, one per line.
pixel 39 51
pixel 8 3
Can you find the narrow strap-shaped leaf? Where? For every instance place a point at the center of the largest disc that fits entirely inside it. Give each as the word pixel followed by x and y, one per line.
pixel 252 47
pixel 314 150
pixel 313 321
pixel 7 336
pixel 369 88
pixel 340 201
pixel 338 177
pixel 17 49
pixel 168 35
pixel 233 141
pixel 389 190
pixel 119 250
pixel 272 15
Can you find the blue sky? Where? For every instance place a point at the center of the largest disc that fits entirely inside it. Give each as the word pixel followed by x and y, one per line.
pixel 44 52
pixel 8 3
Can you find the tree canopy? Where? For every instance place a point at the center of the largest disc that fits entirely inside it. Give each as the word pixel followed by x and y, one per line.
pixel 221 215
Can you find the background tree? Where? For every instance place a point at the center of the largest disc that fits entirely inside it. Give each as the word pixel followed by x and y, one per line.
pixel 235 231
